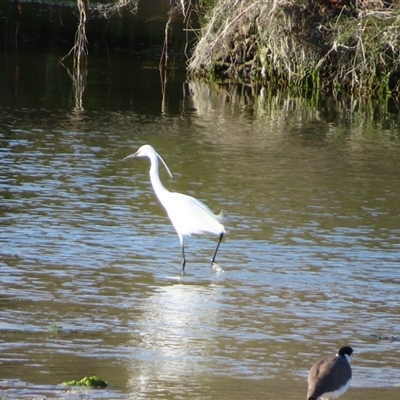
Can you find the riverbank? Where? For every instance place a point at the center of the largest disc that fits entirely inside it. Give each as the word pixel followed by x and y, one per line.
pixel 347 46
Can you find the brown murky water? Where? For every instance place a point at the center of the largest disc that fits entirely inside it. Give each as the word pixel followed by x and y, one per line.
pixel 90 266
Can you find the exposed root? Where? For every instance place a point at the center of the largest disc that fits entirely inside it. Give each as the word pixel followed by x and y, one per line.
pixel 79 49
pixel 107 10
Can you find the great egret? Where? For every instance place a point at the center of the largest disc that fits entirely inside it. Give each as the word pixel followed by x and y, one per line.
pixel 187 214
pixel 330 377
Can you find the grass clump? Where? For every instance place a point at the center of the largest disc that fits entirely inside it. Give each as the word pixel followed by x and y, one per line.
pixel 92 381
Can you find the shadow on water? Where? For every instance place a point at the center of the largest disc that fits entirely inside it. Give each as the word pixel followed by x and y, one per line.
pixel 90 265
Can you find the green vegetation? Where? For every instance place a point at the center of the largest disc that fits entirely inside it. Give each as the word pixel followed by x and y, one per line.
pixel 350 47
pixel 53 327
pixel 92 381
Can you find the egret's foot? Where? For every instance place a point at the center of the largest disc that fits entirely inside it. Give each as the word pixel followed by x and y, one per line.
pixel 216 268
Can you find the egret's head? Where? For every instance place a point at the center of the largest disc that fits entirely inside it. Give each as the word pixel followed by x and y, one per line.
pixel 144 151
pixel 148 151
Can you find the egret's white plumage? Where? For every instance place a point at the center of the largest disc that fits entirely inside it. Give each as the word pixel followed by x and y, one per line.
pixel 187 214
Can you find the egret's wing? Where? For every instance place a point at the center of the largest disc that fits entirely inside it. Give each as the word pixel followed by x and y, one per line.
pixel 191 216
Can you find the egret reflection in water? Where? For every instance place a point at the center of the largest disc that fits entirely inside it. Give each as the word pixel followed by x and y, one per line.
pixel 172 340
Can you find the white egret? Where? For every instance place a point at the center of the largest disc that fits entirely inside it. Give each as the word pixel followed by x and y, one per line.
pixel 330 377
pixel 187 214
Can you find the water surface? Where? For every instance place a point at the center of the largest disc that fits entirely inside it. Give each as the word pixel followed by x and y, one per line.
pixel 90 277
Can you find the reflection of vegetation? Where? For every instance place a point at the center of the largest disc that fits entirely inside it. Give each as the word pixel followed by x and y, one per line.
pixel 78 77
pixel 390 338
pixel 280 106
pixel 348 46
pixel 92 381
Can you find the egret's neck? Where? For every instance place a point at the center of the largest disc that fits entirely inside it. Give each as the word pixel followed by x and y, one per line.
pixel 158 187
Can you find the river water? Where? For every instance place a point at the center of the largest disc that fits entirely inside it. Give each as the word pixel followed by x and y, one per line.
pixel 90 279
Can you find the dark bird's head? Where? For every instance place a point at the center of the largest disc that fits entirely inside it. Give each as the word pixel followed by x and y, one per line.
pixel 345 352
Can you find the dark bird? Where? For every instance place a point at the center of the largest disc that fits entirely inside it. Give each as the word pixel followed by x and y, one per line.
pixel 330 377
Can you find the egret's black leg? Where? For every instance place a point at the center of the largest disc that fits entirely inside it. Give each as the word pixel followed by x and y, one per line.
pixel 183 258
pixel 221 235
